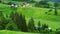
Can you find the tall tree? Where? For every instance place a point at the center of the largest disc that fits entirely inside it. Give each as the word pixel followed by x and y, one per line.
pixel 44 26
pixel 12 16
pixel 3 21
pixel 1 13
pixel 39 26
pixel 24 25
pixel 11 26
pixel 31 25
pixel 56 5
pixel 21 22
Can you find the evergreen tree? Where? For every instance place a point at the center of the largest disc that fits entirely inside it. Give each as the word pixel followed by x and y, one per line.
pixel 24 25
pixel 44 26
pixel 12 16
pixel 11 26
pixel 31 25
pixel 3 21
pixel 56 5
pixel 1 14
pixel 21 22
pixel 56 11
pixel 18 20
pixel 39 26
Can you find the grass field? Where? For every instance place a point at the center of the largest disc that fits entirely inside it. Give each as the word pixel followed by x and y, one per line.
pixel 37 13
pixel 14 32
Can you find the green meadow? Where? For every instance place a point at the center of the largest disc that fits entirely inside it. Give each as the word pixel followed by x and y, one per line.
pixel 13 32
pixel 37 13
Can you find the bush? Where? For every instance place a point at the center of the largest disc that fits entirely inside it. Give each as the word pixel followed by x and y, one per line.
pixel 57 32
pixel 44 26
pixel 11 26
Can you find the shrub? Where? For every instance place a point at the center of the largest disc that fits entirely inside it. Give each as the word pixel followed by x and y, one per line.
pixel 58 32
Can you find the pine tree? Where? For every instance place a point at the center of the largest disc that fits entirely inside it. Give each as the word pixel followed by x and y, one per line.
pixel 3 21
pixel 11 26
pixel 56 5
pixel 21 22
pixel 31 25
pixel 1 14
pixel 24 25
pixel 44 26
pixel 12 16
pixel 39 26
pixel 18 21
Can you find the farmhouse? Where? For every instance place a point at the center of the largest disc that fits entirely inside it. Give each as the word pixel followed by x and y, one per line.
pixel 27 5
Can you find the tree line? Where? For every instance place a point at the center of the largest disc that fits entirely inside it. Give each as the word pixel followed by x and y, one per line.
pixel 18 22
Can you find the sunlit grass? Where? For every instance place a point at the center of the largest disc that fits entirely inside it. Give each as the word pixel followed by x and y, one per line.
pixel 14 32
pixel 37 13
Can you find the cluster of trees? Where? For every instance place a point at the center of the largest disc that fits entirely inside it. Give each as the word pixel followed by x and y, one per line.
pixel 25 0
pixel 42 3
pixel 55 9
pixel 14 21
pixel 8 3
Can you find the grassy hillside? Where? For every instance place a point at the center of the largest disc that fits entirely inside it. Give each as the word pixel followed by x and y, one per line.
pixel 37 13
pixel 13 32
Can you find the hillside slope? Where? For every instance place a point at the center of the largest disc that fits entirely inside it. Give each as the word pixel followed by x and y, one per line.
pixel 37 13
